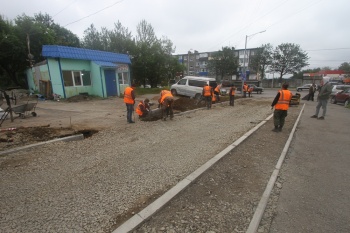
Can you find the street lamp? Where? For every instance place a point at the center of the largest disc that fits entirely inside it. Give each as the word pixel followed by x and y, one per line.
pixel 188 61
pixel 245 48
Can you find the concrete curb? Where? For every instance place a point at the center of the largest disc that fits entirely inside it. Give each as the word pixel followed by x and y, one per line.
pixel 152 208
pixel 260 209
pixel 65 139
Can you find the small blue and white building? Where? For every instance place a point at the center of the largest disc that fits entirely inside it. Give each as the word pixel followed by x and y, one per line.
pixel 70 71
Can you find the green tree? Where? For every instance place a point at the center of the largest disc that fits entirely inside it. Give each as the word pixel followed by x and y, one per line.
pixel 121 40
pixel 152 62
pixel 262 59
pixel 12 54
pixel 223 63
pixel 289 58
pixel 345 66
pixel 92 39
pixel 21 44
pixel 117 40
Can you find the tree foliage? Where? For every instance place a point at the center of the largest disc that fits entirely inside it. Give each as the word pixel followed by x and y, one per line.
pixel 288 59
pixel 262 59
pixel 223 63
pixel 21 44
pixel 345 66
pixel 152 61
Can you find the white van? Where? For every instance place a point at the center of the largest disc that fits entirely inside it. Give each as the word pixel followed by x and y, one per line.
pixel 192 86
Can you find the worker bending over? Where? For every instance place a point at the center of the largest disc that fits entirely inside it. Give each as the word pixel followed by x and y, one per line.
pixel 166 102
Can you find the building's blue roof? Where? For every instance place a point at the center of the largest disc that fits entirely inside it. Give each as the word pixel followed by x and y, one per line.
pixel 105 64
pixel 84 54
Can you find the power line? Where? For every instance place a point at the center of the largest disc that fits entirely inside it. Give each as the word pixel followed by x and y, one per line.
pixel 64 8
pixel 285 18
pixel 94 13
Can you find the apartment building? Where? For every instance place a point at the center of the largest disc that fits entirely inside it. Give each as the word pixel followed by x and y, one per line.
pixel 196 63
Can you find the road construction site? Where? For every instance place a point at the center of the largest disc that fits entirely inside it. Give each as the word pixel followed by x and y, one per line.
pixel 100 183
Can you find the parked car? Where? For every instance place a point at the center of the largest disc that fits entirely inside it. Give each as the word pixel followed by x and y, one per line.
pixel 256 89
pixel 304 87
pixel 342 97
pixel 338 88
pixel 225 87
pixel 192 86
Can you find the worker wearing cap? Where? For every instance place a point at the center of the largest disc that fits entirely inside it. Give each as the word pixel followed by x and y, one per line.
pixel 207 93
pixel 166 101
pixel 129 100
pixel 281 104
pixel 143 109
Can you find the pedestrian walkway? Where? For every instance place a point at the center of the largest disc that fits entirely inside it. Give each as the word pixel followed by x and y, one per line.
pixel 316 189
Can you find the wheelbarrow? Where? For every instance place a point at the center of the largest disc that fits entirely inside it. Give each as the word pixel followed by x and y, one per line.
pixel 25 109
pixel 295 99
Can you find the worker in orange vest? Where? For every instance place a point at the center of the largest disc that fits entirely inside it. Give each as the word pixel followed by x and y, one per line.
pixel 232 95
pixel 129 100
pixel 250 91
pixel 217 92
pixel 207 93
pixel 213 99
pixel 281 104
pixel 245 90
pixel 166 101
pixel 143 109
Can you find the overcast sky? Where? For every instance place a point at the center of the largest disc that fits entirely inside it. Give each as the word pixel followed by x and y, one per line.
pixel 320 27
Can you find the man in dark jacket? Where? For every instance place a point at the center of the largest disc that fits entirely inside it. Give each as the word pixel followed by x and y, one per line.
pixel 322 98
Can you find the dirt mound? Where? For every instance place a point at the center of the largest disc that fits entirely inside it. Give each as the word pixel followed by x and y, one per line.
pixel 184 104
pixel 28 135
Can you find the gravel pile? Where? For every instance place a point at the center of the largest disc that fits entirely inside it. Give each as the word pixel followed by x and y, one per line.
pixel 96 184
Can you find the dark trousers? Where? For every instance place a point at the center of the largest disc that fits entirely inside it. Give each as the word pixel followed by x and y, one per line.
pixel 217 94
pixel 310 97
pixel 232 100
pixel 167 108
pixel 208 101
pixel 129 111
pixel 278 118
pixel 244 94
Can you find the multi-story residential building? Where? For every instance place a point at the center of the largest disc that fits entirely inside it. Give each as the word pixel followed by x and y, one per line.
pixel 196 63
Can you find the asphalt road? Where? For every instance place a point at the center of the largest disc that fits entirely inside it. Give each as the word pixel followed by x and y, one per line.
pixel 316 190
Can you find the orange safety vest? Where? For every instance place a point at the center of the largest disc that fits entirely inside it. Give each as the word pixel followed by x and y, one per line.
pixel 232 91
pixel 283 101
pixel 213 98
pixel 245 87
pixel 128 96
pixel 207 90
pixel 164 94
pixel 138 109
pixel 217 88
pixel 250 89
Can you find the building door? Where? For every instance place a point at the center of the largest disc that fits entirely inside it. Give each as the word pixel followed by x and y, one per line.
pixel 111 83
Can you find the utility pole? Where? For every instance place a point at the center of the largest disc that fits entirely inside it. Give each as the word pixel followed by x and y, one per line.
pixel 244 68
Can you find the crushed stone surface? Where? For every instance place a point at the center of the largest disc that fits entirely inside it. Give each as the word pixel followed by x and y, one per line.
pixel 94 185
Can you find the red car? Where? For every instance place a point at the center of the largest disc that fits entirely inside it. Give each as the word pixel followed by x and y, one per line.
pixel 342 97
